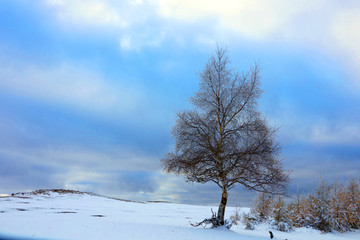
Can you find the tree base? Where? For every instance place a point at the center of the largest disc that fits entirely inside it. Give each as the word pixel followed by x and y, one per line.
pixel 214 221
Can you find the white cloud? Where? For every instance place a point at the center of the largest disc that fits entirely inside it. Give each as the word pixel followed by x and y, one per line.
pixel 345 31
pixel 73 167
pixel 330 27
pixel 323 133
pixel 125 43
pixel 255 19
pixel 170 187
pixel 297 126
pixel 87 13
pixel 319 131
pixel 137 41
pixel 327 27
pixel 134 23
pixel 70 84
pixel 115 159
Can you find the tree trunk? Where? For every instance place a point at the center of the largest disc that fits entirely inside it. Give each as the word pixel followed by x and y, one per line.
pixel 222 206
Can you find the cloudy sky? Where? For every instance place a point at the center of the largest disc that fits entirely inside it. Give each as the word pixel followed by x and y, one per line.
pixel 89 89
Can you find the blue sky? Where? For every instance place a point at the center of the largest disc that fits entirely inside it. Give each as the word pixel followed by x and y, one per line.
pixel 89 89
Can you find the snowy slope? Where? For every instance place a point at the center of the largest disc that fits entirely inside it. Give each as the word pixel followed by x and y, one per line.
pixel 53 215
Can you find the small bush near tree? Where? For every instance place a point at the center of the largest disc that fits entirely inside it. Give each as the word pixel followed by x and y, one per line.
pixel 280 215
pixel 332 207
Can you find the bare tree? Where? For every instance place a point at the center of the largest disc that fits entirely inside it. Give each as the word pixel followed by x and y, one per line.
pixel 225 139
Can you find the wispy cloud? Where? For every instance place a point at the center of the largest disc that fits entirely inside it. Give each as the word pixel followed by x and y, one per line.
pixel 320 132
pixel 255 19
pixel 341 133
pixel 92 13
pixel 344 31
pixel 73 167
pixel 69 84
pixel 134 24
pixel 116 159
pixel 330 27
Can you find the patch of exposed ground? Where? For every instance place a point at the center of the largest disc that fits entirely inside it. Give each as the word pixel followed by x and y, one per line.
pixel 22 209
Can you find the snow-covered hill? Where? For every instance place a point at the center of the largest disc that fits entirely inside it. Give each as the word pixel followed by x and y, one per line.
pixel 75 215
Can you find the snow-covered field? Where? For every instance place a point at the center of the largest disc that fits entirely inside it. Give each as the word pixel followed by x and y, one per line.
pixel 52 215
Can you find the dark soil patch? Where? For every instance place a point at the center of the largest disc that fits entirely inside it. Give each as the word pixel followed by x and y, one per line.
pixel 22 209
pixel 46 192
pixel 60 191
pixel 66 212
pixel 120 199
pixel 22 197
pixel 2 212
pixel 98 215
